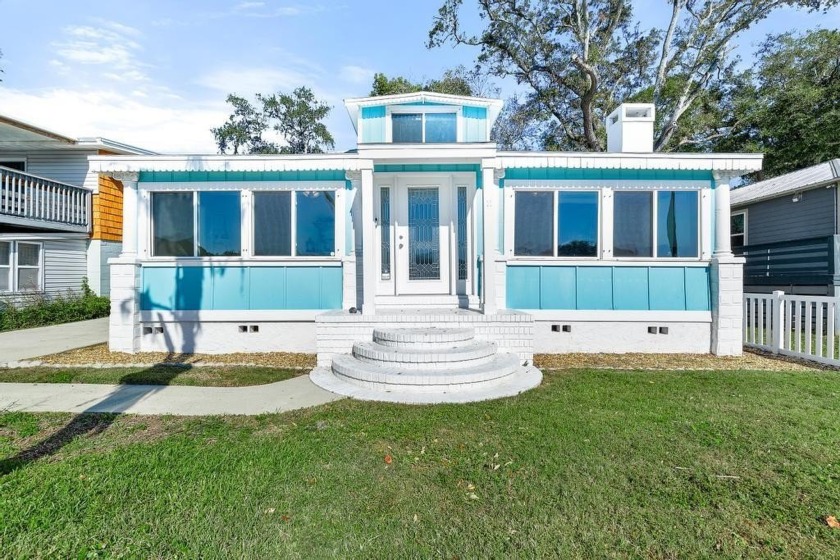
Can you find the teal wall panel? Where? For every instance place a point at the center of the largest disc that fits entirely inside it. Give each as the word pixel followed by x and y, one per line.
pixel 594 288
pixel 557 287
pixel 180 288
pixel 697 289
pixel 523 287
pixel 372 123
pixel 669 288
pixel 230 287
pixel 475 124
pixel 267 289
pixel 630 287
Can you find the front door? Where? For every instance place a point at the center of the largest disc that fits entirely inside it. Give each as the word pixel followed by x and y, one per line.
pixel 423 228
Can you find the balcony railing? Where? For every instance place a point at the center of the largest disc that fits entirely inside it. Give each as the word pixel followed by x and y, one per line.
pixel 31 201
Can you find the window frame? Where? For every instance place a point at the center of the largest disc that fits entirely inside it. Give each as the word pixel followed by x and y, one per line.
pixel 654 226
pixel 15 160
pixel 14 266
pixel 293 225
pixel 744 213
pixel 422 110
pixel 555 223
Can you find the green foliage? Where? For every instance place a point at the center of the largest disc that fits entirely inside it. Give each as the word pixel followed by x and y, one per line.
pixel 580 59
pixel 788 104
pixel 455 81
pixel 297 118
pixel 39 310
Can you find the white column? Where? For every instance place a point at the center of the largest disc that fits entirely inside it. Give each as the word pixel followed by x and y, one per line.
pixel 130 214
pixel 723 239
pixel 490 202
pixel 727 280
pixel 368 247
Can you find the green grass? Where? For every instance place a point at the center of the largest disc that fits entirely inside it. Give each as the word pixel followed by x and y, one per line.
pixel 591 464
pixel 228 376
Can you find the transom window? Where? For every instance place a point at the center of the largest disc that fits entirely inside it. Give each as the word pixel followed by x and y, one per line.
pixel 661 224
pixel 21 265
pixel 556 224
pixel 429 128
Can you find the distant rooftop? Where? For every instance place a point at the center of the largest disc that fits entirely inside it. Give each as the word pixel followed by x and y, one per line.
pixel 818 175
pixel 18 136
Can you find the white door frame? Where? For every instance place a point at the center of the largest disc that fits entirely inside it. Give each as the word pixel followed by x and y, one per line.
pixel 446 232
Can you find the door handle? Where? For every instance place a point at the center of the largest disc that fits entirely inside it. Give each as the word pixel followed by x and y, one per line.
pixel 401 245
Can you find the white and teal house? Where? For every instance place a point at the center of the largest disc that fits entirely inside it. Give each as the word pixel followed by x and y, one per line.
pixel 428 224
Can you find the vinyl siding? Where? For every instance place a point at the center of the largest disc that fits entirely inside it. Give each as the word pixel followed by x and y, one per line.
pixel 64 166
pixel 65 264
pixel 780 219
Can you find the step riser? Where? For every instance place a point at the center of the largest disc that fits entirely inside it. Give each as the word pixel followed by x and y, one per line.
pixel 448 357
pixel 500 366
pixel 453 366
pixel 425 345
pixel 431 335
pixel 425 389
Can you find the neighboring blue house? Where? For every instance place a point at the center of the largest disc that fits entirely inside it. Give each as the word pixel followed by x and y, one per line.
pixel 428 224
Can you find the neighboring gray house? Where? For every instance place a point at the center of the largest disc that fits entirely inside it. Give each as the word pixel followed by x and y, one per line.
pixel 59 223
pixel 787 229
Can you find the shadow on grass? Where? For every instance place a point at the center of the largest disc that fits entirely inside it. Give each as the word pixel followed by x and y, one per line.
pixel 98 417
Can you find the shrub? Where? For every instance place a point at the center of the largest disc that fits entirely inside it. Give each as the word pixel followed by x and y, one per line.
pixel 38 310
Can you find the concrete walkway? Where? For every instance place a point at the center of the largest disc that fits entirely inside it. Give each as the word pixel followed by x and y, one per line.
pixel 292 394
pixel 31 343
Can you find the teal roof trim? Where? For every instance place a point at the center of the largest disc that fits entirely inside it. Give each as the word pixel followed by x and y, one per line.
pixel 432 168
pixel 207 176
pixel 557 173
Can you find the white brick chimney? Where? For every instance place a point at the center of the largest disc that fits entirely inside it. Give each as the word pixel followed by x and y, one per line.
pixel 630 128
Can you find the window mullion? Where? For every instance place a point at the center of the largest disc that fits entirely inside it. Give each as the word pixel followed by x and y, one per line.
pixel 554 225
pixel 196 229
pixel 655 224
pixel 293 221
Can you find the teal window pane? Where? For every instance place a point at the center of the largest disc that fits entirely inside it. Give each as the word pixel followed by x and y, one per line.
pixel 677 228
pixel 273 224
pixel 407 128
pixel 632 231
pixel 315 223
pixel 577 224
pixel 173 225
pixel 441 127
pixel 220 224
pixel 534 224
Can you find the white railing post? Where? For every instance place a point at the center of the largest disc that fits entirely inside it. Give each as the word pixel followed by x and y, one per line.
pixel 777 322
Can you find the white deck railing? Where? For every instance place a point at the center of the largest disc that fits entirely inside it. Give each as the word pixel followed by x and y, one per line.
pixel 27 199
pixel 800 326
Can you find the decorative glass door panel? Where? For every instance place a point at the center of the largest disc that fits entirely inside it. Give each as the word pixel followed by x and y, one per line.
pixel 423 234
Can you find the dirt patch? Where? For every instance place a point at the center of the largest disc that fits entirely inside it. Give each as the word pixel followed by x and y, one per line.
pixel 100 354
pixel 748 361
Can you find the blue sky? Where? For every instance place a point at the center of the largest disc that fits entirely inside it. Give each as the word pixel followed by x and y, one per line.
pixel 155 73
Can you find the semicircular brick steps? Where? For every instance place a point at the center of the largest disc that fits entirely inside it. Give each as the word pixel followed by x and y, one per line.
pixel 426 365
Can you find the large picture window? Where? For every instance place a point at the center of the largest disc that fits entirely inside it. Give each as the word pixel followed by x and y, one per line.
pixel 298 223
pixel 676 226
pixel 21 266
pixel 174 231
pixel 556 223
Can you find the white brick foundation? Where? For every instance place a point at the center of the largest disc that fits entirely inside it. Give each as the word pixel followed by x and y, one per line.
pixel 727 292
pixel 124 324
pixel 512 331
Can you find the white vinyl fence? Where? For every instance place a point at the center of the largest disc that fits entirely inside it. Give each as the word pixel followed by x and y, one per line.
pixel 800 326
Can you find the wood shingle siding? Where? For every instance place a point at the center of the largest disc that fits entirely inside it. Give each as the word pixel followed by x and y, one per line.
pixel 781 219
pixel 107 210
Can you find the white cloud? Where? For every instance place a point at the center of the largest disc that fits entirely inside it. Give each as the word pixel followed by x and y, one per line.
pixel 357 74
pixel 107 43
pixel 249 81
pixel 153 123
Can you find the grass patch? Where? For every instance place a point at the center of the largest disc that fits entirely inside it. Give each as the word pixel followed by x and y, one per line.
pixel 591 464
pixel 207 376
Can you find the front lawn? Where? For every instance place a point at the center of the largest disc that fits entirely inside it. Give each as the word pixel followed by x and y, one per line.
pixel 591 464
pixel 206 376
